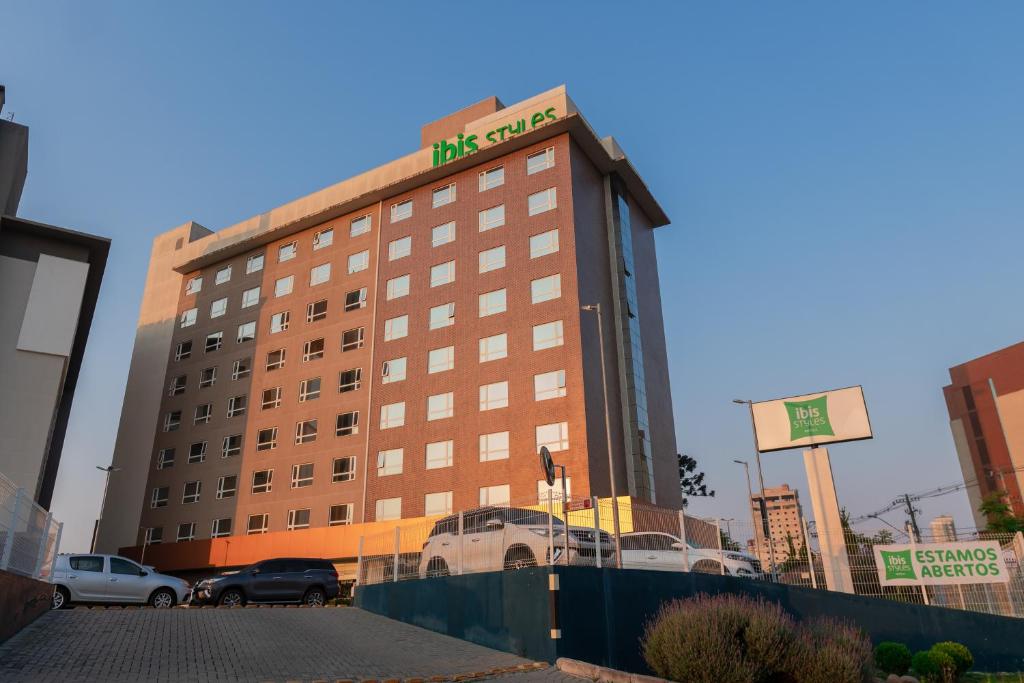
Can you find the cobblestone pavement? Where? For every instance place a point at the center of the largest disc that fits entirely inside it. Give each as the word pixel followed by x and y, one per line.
pixel 277 644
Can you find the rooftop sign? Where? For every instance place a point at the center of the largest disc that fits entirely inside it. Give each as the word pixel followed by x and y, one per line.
pixel 446 152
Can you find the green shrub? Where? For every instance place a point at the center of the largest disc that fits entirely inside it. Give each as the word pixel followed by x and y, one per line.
pixel 962 658
pixel 830 651
pixel 892 658
pixel 934 666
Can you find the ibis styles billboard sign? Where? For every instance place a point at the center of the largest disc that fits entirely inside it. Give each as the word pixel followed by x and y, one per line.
pixel 811 420
pixel 940 563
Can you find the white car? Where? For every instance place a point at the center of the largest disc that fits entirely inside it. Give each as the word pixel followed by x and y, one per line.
pixel 92 577
pixel 507 538
pixel 661 551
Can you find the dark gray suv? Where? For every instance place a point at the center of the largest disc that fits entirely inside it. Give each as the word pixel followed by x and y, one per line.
pixel 292 579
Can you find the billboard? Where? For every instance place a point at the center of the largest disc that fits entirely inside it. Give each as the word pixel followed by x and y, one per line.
pixel 940 563
pixel 812 419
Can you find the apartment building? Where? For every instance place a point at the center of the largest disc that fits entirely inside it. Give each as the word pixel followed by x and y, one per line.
pixel 401 344
pixel 785 516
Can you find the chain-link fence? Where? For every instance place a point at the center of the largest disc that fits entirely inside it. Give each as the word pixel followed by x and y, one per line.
pixel 29 535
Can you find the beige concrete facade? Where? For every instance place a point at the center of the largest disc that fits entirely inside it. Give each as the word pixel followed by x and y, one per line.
pixel 784 523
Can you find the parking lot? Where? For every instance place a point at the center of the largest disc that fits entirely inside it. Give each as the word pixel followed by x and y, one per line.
pixel 246 644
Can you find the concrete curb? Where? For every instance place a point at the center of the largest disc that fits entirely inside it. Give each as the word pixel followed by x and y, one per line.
pixel 574 667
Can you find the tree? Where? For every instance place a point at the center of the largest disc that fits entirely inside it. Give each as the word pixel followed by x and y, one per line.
pixel 1001 519
pixel 690 480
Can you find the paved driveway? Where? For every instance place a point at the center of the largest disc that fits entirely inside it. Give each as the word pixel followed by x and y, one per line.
pixel 261 644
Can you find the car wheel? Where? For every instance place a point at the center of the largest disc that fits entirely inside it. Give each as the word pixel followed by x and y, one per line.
pixel 519 557
pixel 162 598
pixel 232 597
pixel 437 567
pixel 314 597
pixel 61 598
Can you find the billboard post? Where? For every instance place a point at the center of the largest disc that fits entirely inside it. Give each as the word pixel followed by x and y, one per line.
pixel 831 537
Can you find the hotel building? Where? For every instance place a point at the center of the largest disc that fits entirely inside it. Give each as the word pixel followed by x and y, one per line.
pixel 784 524
pixel 400 345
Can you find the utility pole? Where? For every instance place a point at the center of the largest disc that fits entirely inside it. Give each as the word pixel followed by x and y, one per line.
pixel 912 513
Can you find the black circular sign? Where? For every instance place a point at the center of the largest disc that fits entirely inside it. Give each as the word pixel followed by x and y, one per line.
pixel 548 465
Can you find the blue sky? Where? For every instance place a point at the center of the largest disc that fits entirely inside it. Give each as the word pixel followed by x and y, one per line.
pixel 844 182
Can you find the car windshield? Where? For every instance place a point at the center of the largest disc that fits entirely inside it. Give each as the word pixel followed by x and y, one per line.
pixel 529 517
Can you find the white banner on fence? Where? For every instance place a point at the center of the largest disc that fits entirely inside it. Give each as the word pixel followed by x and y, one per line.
pixel 940 563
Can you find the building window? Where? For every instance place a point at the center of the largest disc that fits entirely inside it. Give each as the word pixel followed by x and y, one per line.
pixel 437 504
pixel 547 335
pixel 491 218
pixel 492 178
pixel 349 380
pixel 554 492
pixel 389 462
pixel 246 332
pixel 286 252
pixel 275 359
pixel 154 535
pixel 544 243
pixel 388 509
pixel 360 226
pixel 340 514
pixel 258 524
pixel 355 299
pixel 344 469
pixel 542 201
pixel 190 492
pixel 221 527
pixel 442 195
pixel 214 341
pixel 250 297
pixel 271 398
pixel 223 275
pixel 358 262
pixel 392 415
pixel 183 350
pixel 535 163
pixel 298 519
pixel 392 371
pixel 284 285
pixel 197 452
pixel 188 318
pixel 494 348
pixel 177 385
pixel 546 288
pixel 440 406
pixel 302 475
pixel 172 421
pixel 266 439
pixel 262 481
pixel 549 385
pixel 440 454
pixel 313 350
pixel 241 368
pixel 494 446
pixel 165 458
pixel 309 389
pixel 396 328
pixel 442 316
pixel 236 406
pixel 203 413
pixel 254 264
pixel 493 396
pixel 279 322
pixel 442 234
pixel 397 287
pixel 352 339
pixel 324 238
pixel 399 248
pixel 305 432
pixel 227 486
pixel 319 274
pixel 158 499
pixel 232 446
pixel 347 424
pixel 442 274
pixel 440 360
pixel 554 436
pixel 186 532
pixel 492 303
pixel 492 259
pixel 194 285
pixel 495 495
pixel 316 310
pixel 218 307
pixel 401 211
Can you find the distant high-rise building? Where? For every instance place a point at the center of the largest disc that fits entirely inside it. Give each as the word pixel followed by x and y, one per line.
pixel 943 529
pixel 784 523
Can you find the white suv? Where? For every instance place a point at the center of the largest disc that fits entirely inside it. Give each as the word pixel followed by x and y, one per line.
pixel 506 538
pixel 90 577
pixel 656 550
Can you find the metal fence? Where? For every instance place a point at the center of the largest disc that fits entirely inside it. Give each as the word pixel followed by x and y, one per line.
pixel 508 537
pixel 29 535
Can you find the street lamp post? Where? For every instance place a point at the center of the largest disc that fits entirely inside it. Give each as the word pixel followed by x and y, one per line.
pixel 596 308
pixel 103 501
pixel 760 479
pixel 750 498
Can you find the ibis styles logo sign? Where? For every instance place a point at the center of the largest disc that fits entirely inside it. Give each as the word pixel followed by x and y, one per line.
pixel 898 565
pixel 808 418
pixel 816 419
pixel 445 152
pixel 940 563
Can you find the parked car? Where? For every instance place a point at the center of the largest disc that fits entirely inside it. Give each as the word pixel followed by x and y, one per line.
pixel 113 579
pixel 506 538
pixel 308 581
pixel 656 550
